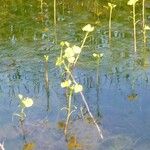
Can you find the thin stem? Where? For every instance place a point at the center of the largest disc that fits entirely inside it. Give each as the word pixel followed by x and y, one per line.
pixel 55 9
pixel 134 28
pixel 84 100
pixel 143 23
pixel 41 6
pixel 87 107
pixel 69 111
pixel 81 47
pixel 110 16
pixel 47 85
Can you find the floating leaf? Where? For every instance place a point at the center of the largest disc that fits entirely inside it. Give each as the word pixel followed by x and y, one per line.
pixel 66 83
pixel 88 28
pixel 78 88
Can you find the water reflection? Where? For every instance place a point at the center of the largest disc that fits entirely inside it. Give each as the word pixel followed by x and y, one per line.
pixel 117 89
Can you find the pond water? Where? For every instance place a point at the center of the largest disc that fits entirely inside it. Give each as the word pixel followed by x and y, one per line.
pixel 116 90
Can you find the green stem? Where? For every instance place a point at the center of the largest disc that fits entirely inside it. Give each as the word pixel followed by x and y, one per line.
pixel 82 45
pixel 143 23
pixel 84 100
pixel 110 16
pixel 55 12
pixel 69 110
pixel 134 28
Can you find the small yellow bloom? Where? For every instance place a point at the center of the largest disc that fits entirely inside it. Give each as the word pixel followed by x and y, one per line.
pixel 66 83
pixel 71 60
pixel 111 5
pixel 27 102
pixel 20 96
pixel 46 58
pixel 76 49
pixel 132 2
pixel 88 28
pixel 78 88
pixel 69 52
pixel 147 27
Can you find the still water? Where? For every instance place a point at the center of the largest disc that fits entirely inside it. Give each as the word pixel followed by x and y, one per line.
pixel 116 90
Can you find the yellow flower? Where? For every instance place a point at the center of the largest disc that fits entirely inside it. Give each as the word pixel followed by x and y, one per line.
pixel 66 83
pixel 88 28
pixel 111 5
pixel 147 27
pixel 27 102
pixel 132 2
pixel 78 88
pixel 71 60
pixel 46 58
pixel 76 49
pixel 69 52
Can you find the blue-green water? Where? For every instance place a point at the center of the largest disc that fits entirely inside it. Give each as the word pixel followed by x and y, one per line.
pixel 119 100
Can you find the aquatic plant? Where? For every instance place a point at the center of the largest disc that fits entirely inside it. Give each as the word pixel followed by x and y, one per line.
pixel 67 60
pixel 98 58
pixel 46 58
pixel 133 3
pixel 24 102
pixel 111 6
pixel 41 5
pixel 143 22
pixel 55 13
